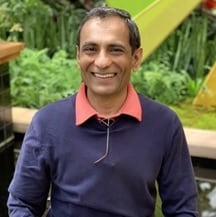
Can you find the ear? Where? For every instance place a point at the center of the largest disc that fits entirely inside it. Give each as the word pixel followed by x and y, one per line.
pixel 137 59
pixel 78 56
pixel 77 53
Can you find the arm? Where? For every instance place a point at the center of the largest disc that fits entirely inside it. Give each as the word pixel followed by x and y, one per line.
pixel 177 186
pixel 29 188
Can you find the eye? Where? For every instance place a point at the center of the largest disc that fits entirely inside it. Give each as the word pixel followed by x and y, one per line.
pixel 89 49
pixel 116 50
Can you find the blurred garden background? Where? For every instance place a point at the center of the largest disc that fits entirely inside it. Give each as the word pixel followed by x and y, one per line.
pixel 46 70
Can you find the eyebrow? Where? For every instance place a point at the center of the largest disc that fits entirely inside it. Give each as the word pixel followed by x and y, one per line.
pixel 117 45
pixel 109 45
pixel 89 44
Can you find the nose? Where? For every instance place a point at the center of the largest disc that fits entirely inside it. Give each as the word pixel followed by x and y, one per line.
pixel 103 59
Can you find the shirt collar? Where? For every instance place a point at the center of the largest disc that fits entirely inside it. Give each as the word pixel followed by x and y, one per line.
pixel 84 110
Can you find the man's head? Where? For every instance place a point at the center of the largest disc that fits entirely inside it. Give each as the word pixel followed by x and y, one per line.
pixel 103 12
pixel 108 50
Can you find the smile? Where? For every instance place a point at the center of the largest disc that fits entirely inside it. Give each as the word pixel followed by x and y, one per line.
pixel 104 76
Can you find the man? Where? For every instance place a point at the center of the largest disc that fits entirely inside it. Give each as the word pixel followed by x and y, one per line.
pixel 102 151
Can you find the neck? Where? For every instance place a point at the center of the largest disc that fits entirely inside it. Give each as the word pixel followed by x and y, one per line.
pixel 107 106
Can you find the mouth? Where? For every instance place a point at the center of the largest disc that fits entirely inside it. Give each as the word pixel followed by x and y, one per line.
pixel 104 75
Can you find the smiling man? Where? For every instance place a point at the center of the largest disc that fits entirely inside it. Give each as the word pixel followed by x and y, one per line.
pixel 102 151
pixel 106 58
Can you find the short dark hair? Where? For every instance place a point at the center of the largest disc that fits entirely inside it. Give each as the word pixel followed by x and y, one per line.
pixel 103 12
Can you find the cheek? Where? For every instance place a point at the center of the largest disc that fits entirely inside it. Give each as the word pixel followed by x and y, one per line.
pixel 84 63
pixel 84 71
pixel 128 67
pixel 82 66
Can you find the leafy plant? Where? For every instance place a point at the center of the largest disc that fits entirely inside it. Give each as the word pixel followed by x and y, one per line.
pixel 37 79
pixel 158 82
pixel 41 26
pixel 191 47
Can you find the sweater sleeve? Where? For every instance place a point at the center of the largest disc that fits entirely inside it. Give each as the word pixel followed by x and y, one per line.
pixel 29 188
pixel 176 182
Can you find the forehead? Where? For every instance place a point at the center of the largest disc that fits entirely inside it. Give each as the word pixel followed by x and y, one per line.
pixel 110 27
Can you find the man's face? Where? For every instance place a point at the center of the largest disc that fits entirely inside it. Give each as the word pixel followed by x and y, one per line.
pixel 105 56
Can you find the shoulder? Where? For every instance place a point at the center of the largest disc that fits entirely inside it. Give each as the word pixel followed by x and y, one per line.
pixel 160 113
pixel 151 105
pixel 56 112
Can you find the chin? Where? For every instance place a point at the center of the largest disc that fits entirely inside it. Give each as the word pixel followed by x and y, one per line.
pixel 104 92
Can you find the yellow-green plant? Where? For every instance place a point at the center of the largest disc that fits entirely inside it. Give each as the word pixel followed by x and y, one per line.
pixel 191 47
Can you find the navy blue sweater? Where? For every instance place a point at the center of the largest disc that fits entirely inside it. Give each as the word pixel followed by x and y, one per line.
pixel 57 151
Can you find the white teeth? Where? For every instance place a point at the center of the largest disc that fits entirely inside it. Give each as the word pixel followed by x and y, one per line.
pixel 110 75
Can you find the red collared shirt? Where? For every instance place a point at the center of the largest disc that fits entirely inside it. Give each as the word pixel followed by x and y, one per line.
pixel 84 110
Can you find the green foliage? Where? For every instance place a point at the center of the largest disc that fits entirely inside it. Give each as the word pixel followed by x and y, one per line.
pixel 37 79
pixel 50 26
pixel 85 4
pixel 191 47
pixel 40 26
pixel 158 82
pixel 195 116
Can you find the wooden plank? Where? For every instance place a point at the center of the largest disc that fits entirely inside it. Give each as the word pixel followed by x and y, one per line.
pixel 202 143
pixel 9 50
pixel 22 118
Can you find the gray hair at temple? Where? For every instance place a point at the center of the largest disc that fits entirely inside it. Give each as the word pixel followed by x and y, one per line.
pixel 103 12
